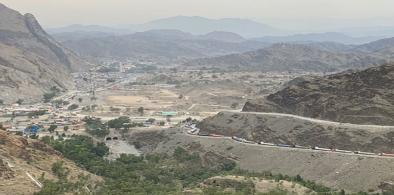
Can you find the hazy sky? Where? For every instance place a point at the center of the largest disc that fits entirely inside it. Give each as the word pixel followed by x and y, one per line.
pixel 289 14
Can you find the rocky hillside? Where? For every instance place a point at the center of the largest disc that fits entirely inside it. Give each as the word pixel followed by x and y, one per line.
pixel 160 45
pixel 20 157
pixel 362 97
pixel 287 130
pixel 290 57
pixel 223 36
pixel 383 47
pixel 31 62
pixel 317 37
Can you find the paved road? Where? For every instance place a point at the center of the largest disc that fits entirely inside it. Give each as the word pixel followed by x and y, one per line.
pixel 185 131
pixel 285 148
pixel 326 122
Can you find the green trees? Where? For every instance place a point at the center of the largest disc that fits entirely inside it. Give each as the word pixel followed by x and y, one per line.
pixel 123 122
pixel 150 174
pixel 52 128
pixel 119 123
pixel 20 101
pixel 73 107
pixel 141 110
pixel 59 170
pixel 151 120
pixel 100 150
pixel 95 127
pixel 188 120
pixel 82 150
pixel 182 155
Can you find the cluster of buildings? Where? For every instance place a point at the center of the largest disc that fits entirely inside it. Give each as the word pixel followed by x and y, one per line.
pixel 32 119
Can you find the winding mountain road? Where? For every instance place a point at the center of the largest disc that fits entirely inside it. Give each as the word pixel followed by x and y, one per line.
pixel 284 148
pixel 320 121
pixel 325 122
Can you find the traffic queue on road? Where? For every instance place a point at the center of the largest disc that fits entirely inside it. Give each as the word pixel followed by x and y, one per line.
pixel 195 131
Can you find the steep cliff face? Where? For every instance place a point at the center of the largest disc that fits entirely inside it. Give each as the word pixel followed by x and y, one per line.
pixel 364 97
pixel 31 62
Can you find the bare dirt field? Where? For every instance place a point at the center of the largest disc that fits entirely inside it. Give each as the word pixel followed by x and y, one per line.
pixel 193 94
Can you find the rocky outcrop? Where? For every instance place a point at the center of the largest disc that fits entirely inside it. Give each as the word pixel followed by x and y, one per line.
pixel 31 62
pixel 362 97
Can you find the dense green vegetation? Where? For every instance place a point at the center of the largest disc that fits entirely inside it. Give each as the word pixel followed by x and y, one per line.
pixel 152 174
pixel 95 127
pixel 52 128
pixel 119 123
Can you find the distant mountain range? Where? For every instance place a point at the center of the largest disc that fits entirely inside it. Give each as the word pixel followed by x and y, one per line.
pixel 31 62
pixel 318 37
pixel 230 51
pixel 248 29
pixel 320 57
pixel 88 28
pixel 381 31
pixel 191 24
pixel 163 45
pixel 79 35
pixel 321 52
pixel 223 36
pixel 200 25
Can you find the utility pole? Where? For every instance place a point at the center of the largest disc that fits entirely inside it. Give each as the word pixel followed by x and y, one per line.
pixel 92 91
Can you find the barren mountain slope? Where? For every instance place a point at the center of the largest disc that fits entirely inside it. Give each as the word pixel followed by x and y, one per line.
pixel 20 157
pixel 161 45
pixel 31 62
pixel 363 97
pixel 290 57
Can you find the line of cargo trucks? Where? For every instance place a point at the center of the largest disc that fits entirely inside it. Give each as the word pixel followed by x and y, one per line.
pixel 242 140
pixel 313 148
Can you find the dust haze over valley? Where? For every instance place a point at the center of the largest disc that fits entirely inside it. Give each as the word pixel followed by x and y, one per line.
pixel 207 97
